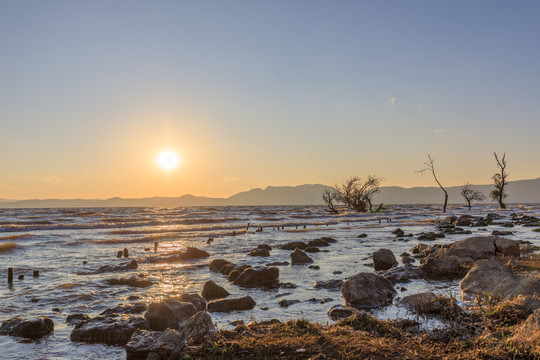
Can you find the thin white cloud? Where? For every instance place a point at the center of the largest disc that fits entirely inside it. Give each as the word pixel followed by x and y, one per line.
pixel 230 179
pixel 391 101
pixel 440 131
pixel 51 179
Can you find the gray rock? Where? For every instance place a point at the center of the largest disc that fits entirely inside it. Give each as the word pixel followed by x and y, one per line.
pixel 112 330
pixel 258 276
pixel 298 257
pixel 197 300
pixel 384 259
pixel 232 304
pixel 507 247
pixel 367 290
pixel 31 329
pixel 329 284
pixel 169 313
pixel 338 312
pixel 489 277
pixel 212 291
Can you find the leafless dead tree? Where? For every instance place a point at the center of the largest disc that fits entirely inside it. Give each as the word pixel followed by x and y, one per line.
pixel 357 194
pixel 469 194
pixel 330 196
pixel 498 194
pixel 431 168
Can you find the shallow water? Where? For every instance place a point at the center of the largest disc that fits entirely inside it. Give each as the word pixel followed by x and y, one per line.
pixel 57 241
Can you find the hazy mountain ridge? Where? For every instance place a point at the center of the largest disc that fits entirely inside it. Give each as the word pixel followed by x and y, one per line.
pixel 521 191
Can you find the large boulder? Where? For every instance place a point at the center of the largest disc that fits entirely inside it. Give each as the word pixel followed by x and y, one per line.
pixel 112 330
pixel 528 333
pixel 212 291
pixel 258 276
pixel 166 344
pixel 199 328
pixel 299 257
pixel 32 329
pixel 489 277
pixel 197 300
pixel 169 313
pixel 507 247
pixel 451 267
pixel 232 304
pixel 367 290
pixel 478 247
pixel 384 259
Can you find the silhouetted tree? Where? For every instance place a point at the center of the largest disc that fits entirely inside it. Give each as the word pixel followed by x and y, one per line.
pixel 355 193
pixel 431 168
pixel 469 194
pixel 498 194
pixel 329 197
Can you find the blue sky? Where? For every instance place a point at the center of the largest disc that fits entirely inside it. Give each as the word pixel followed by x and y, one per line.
pixel 252 94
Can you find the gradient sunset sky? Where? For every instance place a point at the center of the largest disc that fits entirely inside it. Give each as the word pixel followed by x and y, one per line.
pixel 258 93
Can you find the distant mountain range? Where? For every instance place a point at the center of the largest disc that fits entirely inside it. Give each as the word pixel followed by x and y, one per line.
pixel 522 191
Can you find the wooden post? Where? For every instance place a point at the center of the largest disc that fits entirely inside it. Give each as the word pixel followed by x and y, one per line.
pixel 35 273
pixel 10 275
pixel 155 246
pixel 126 252
pixel 119 254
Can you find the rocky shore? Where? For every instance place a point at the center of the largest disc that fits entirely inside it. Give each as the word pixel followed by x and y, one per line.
pixel 498 276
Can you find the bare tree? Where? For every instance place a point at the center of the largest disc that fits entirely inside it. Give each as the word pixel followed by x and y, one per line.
pixel 498 194
pixel 469 194
pixel 329 197
pixel 430 167
pixel 355 193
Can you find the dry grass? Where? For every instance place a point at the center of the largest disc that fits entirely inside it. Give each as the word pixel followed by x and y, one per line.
pixel 359 337
pixel 7 247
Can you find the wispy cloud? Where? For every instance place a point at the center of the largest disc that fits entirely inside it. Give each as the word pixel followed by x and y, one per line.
pixel 51 179
pixel 391 102
pixel 440 131
pixel 230 179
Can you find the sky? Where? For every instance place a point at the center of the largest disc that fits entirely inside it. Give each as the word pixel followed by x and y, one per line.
pixel 263 93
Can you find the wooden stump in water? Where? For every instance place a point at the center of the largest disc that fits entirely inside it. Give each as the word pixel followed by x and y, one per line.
pixel 10 275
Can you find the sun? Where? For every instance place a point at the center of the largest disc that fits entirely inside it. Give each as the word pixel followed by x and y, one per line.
pixel 168 160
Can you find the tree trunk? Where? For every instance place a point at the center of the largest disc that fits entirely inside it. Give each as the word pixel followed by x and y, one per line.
pixel 445 200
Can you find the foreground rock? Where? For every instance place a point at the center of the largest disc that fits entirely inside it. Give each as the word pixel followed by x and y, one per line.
pixel 451 267
pixel 258 276
pixel 507 247
pixel 298 257
pixel 169 344
pixel 366 290
pixel 111 330
pixel 384 259
pixel 489 277
pixel 232 304
pixel 212 291
pixel 32 329
pixel 169 313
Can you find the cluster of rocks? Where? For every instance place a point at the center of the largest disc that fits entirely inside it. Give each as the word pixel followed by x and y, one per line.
pixel 246 275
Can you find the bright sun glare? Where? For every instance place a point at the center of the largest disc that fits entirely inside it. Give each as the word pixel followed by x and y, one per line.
pixel 168 160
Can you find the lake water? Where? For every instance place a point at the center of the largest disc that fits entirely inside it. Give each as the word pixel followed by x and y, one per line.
pixel 57 242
